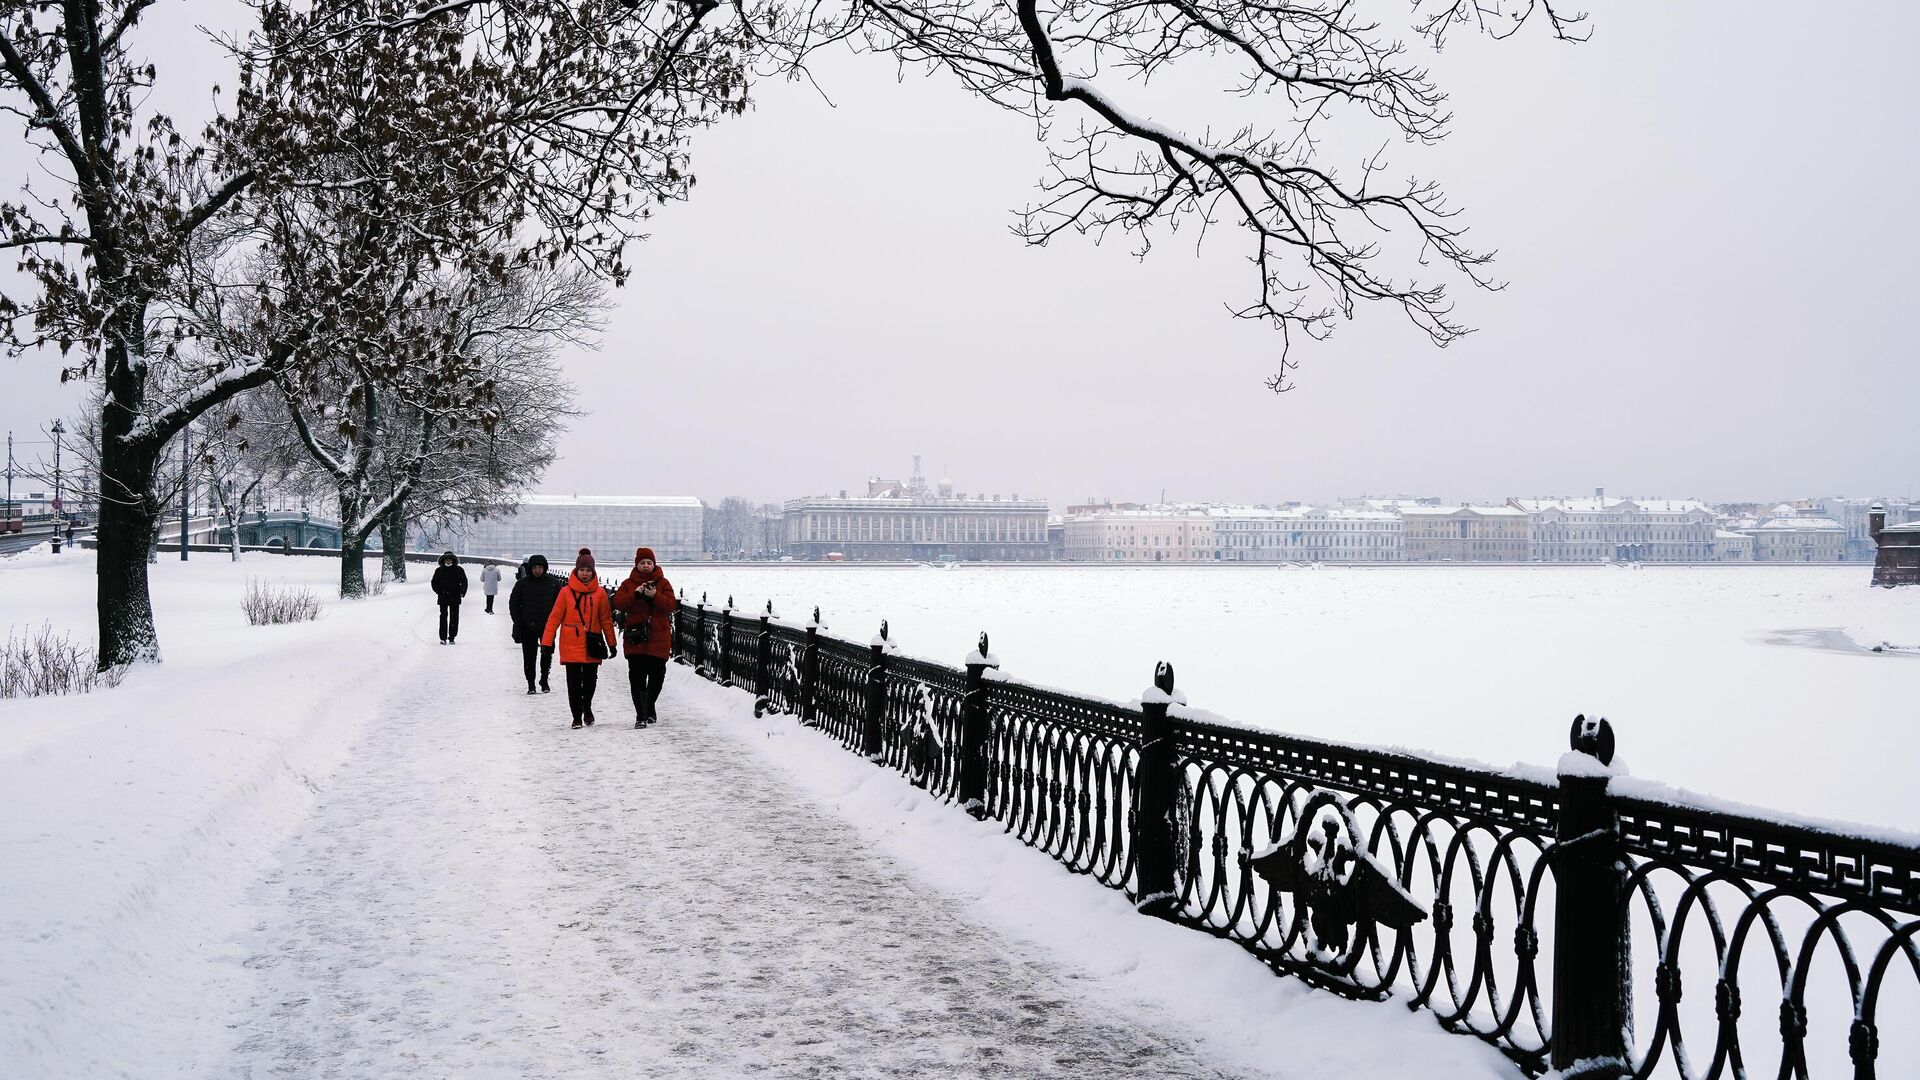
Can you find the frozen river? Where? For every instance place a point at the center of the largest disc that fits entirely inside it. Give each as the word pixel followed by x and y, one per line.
pixel 1741 682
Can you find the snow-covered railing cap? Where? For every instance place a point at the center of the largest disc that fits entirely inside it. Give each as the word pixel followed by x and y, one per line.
pixel 769 612
pixel 882 641
pixel 1590 749
pixel 1162 691
pixel 982 656
pixel 816 624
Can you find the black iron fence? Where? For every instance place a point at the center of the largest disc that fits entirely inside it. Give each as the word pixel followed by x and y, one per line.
pixel 1558 917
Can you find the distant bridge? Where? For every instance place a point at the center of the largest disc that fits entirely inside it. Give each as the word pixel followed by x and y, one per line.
pixel 283 528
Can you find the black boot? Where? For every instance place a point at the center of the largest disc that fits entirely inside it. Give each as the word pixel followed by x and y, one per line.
pixel 531 690
pixel 576 722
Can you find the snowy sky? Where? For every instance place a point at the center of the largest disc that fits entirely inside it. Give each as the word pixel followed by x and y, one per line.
pixel 1705 218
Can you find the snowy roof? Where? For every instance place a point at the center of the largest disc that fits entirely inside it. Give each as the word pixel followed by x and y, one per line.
pixel 609 500
pixel 1908 527
pixel 1608 505
pixel 1800 524
pixel 1447 511
pixel 1722 534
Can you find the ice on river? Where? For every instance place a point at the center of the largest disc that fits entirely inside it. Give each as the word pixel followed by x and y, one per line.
pixel 1750 683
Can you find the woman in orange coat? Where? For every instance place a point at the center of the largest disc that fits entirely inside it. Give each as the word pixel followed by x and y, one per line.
pixel 581 612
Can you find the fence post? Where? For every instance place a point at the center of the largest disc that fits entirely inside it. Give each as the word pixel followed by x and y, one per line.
pixel 726 644
pixel 972 793
pixel 763 662
pixel 1592 954
pixel 870 743
pixel 700 637
pixel 1155 793
pixel 810 668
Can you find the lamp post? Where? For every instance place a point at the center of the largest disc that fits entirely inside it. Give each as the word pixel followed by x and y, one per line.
pixel 186 489
pixel 59 429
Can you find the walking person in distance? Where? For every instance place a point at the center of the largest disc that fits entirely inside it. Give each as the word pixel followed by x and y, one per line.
pixel 646 598
pixel 581 628
pixel 490 584
pixel 529 605
pixel 449 584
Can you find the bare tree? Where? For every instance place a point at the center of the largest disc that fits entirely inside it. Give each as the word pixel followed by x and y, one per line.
pixel 574 145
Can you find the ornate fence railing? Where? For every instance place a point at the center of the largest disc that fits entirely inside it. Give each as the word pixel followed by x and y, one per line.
pixel 1557 916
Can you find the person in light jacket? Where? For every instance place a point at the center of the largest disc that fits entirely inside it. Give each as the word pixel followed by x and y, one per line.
pixel 490 584
pixel 646 597
pixel 449 584
pixel 581 613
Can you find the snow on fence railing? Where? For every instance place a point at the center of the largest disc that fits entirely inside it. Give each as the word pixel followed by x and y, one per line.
pixel 1546 913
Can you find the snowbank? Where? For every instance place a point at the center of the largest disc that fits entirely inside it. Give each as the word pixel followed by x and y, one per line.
pixel 137 818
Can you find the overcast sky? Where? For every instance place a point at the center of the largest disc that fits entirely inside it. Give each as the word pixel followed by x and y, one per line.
pixel 1706 215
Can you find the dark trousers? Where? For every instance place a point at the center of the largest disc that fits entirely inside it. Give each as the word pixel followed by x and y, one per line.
pixel 489 603
pixel 645 676
pixel 449 621
pixel 581 680
pixel 527 651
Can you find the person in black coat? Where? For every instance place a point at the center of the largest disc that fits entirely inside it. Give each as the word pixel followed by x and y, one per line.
pixel 449 584
pixel 528 606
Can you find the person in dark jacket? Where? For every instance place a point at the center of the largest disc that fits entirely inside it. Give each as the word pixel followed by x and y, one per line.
pixel 528 605
pixel 449 584
pixel 646 598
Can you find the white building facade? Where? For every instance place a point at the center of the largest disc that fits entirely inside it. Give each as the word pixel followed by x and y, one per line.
pixel 1165 535
pixel 1464 533
pixel 1233 534
pixel 1601 529
pixel 558 526
pixel 1800 538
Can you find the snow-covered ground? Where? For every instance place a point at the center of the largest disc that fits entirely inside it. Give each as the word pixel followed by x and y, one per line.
pixel 340 849
pixel 1739 682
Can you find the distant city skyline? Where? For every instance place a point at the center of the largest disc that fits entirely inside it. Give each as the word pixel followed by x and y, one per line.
pixel 841 293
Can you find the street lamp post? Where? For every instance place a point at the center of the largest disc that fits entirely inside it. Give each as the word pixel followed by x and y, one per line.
pixel 186 489
pixel 59 429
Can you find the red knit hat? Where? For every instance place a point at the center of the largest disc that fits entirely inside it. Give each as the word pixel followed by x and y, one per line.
pixel 643 553
pixel 585 561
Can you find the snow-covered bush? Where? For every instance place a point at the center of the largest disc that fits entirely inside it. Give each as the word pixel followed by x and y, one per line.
pixel 45 663
pixel 271 604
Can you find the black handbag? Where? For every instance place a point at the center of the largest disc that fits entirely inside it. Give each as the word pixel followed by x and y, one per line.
pixel 596 641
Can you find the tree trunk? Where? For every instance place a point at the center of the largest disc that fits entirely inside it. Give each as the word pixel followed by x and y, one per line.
pixel 393 542
pixel 353 547
pixel 127 523
pixel 353 567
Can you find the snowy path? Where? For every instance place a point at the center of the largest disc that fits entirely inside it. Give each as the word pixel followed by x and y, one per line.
pixel 481 892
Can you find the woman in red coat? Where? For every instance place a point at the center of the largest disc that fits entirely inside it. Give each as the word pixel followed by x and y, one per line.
pixel 647 599
pixel 580 612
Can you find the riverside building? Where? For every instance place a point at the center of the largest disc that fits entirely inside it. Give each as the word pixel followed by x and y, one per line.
pixel 557 526
pixel 1569 530
pixel 908 520
pixel 1495 534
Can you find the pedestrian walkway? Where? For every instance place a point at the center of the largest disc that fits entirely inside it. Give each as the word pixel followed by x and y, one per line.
pixel 481 892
